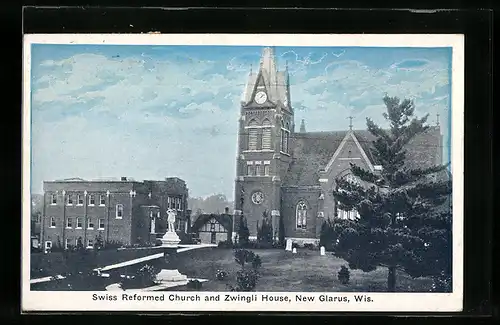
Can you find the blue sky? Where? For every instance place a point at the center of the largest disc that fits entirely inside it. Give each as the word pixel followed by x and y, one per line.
pixel 151 112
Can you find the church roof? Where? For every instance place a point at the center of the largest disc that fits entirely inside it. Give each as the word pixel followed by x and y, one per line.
pixel 311 152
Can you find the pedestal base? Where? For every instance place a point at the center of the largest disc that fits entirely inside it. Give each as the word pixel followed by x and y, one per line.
pixel 170 239
pixel 171 276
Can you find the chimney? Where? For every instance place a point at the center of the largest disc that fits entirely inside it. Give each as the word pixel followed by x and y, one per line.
pixel 123 179
pixel 226 210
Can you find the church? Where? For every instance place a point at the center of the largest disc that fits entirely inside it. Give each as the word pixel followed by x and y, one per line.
pixel 289 174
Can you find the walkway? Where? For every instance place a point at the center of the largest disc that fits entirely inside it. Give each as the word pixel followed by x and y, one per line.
pixel 182 248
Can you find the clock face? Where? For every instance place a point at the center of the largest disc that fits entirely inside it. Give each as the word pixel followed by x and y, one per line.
pixel 260 97
pixel 257 197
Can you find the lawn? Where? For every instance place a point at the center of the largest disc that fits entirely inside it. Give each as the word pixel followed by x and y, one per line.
pixel 305 271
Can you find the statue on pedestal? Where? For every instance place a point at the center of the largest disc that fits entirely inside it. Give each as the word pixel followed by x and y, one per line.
pixel 171 213
pixel 170 243
pixel 170 238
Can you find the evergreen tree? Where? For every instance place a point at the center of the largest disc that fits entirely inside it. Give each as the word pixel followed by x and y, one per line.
pixel 327 235
pixel 265 231
pixel 281 233
pixel 404 221
pixel 243 232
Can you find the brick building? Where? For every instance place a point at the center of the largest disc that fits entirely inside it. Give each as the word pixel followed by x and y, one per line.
pixel 121 211
pixel 291 175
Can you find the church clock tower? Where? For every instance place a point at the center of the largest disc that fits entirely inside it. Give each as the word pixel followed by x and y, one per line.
pixel 265 124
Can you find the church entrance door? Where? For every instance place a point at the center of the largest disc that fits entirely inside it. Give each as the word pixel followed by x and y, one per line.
pixel 213 237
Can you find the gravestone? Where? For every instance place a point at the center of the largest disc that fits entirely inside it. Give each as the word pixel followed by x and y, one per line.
pixel 294 251
pixel 322 251
pixel 288 245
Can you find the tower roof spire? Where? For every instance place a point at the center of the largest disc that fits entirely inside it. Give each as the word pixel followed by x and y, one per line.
pixel 303 126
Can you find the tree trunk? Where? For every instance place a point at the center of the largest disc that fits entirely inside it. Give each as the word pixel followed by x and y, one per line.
pixel 391 279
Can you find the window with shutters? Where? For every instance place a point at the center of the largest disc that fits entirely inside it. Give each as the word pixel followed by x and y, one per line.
pixel 266 134
pixel 252 135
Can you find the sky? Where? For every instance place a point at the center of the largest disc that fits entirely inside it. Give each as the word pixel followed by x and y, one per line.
pixel 151 112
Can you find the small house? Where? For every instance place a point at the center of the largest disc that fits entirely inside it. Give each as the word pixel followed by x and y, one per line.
pixel 213 228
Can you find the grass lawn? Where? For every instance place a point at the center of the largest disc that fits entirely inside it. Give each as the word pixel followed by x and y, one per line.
pixel 305 271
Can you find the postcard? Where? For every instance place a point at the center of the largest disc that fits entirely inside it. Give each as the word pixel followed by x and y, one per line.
pixel 217 172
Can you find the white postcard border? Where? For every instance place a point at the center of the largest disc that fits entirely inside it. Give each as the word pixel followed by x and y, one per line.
pixel 389 302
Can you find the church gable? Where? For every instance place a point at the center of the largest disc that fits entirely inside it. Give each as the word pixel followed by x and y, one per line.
pixel 349 151
pixel 310 153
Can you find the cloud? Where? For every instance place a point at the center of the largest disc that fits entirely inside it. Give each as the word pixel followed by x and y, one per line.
pixel 415 64
pixel 101 116
pixel 151 116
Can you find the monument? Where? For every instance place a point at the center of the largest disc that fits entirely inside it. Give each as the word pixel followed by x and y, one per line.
pixel 322 251
pixel 288 245
pixel 170 243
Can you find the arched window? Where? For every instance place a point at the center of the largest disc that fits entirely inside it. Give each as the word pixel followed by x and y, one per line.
pixel 252 135
pixel 266 134
pixel 301 215
pixel 282 135
pixel 352 214
pixel 285 135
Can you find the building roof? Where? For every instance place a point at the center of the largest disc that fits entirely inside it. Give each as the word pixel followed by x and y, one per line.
pixel 224 219
pixel 311 152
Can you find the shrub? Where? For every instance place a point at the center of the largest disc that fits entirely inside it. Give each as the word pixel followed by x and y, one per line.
pixel 194 285
pixel 246 279
pixel 225 244
pixel 221 275
pixel 442 283
pixel 243 256
pixel 256 262
pixel 143 277
pixel 112 244
pixel 310 246
pixel 344 275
